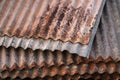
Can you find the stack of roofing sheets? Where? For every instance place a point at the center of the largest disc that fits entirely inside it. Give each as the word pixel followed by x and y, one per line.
pixel 52 39
pixel 53 25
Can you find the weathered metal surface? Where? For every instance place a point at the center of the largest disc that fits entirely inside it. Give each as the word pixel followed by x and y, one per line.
pixel 28 63
pixel 71 20
pixel 104 76
pixel 37 73
pixel 96 76
pixel 19 58
pixel 103 63
pixel 107 40
pixel 40 43
pixel 81 50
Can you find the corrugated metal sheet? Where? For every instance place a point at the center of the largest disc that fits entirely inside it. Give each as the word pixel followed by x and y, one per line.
pixel 39 43
pixel 19 58
pixel 85 77
pixel 104 76
pixel 82 50
pixel 104 61
pixel 107 41
pixel 71 20
pixel 76 77
pixel 28 63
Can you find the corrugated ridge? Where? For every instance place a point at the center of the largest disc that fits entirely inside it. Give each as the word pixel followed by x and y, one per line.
pixel 107 39
pixel 49 63
pixel 57 19
pixel 11 58
pixel 42 44
pixel 80 69
pixel 104 76
pixel 96 76
pixel 43 73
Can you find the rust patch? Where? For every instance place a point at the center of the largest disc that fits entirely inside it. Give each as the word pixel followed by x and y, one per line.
pixel 49 19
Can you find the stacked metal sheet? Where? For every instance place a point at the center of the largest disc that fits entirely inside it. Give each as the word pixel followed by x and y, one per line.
pixel 54 25
pixel 104 76
pixel 22 63
pixel 29 55
pixel 57 19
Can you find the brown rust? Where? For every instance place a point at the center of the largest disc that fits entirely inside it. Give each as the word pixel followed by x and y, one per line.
pixel 32 75
pixel 56 19
pixel 47 63
pixel 77 77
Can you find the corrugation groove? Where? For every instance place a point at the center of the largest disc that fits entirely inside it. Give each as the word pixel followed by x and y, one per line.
pixel 106 42
pixel 42 44
pixel 56 19
pixel 77 77
pixel 37 73
pixel 104 76
pixel 11 16
pixel 46 63
pixel 11 58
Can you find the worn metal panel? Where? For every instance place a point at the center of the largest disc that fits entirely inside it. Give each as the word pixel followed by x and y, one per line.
pixel 28 63
pixel 35 73
pixel 71 20
pixel 104 76
pixel 39 43
pixel 103 63
pixel 81 70
pixel 11 58
pixel 107 40
pixel 81 50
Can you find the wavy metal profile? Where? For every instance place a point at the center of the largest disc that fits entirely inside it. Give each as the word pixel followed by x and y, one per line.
pixel 71 20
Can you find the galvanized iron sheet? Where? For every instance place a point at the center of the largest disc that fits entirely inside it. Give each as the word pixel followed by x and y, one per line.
pixel 81 50
pixel 107 40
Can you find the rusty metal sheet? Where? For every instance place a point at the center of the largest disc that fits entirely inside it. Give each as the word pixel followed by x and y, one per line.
pixel 32 74
pixel 11 58
pixel 107 40
pixel 63 20
pixel 28 63
pixel 81 50
pixel 104 76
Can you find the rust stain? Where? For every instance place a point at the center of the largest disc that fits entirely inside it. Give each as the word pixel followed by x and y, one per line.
pixel 104 76
pixel 28 63
pixel 50 44
pixel 103 63
pixel 32 74
pixel 55 19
